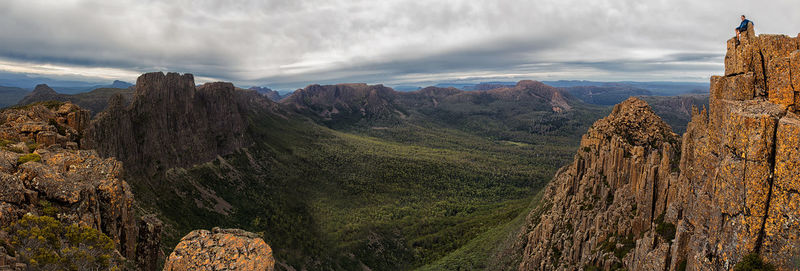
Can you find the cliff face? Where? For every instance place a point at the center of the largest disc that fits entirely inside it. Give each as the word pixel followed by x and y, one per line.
pixel 612 191
pixel 171 123
pixel 733 192
pixel 221 249
pixel 44 173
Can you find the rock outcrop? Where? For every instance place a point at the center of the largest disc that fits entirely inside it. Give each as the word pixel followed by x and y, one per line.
pixel 221 249
pixel 734 191
pixel 44 173
pixel 171 123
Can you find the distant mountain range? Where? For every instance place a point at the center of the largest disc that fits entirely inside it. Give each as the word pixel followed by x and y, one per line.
pixel 11 95
pixel 75 90
pixel 95 100
pixel 661 88
pixel 271 94
pixel 27 82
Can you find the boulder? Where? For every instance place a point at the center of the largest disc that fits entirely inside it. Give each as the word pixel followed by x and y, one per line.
pixel 221 249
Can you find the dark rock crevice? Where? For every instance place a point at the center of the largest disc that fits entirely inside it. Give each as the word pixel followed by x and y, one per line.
pixel 770 180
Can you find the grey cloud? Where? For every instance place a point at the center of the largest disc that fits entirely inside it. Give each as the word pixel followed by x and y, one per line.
pixel 293 43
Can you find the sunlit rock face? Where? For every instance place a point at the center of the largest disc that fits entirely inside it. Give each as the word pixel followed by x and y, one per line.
pixel 637 198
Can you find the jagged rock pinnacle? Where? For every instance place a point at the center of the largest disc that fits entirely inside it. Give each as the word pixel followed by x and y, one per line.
pixel 170 122
pixel 634 121
pixel 44 89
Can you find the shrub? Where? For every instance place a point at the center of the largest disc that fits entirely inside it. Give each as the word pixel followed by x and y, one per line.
pixel 588 267
pixel 59 128
pixel 753 262
pixel 627 245
pixel 47 208
pixel 556 256
pixel 608 245
pixel 16 147
pixel 5 142
pixel 666 230
pixel 44 243
pixel 48 104
pixel 32 146
pixel 28 158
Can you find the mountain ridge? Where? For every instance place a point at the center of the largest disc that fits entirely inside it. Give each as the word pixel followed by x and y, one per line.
pixel 95 100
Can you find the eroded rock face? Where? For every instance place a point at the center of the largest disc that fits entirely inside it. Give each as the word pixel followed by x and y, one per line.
pixel 733 192
pixel 221 249
pixel 171 123
pixel 45 174
pixel 611 193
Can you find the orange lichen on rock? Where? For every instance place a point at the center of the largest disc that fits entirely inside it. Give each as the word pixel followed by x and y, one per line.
pixel 782 228
pixel 221 249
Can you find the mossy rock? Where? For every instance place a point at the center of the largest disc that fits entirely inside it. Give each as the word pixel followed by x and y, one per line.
pixel 31 157
pixel 753 262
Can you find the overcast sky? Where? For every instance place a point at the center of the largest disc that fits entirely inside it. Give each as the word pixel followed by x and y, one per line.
pixel 291 43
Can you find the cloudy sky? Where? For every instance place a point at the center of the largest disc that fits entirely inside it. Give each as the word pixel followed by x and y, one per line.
pixel 291 43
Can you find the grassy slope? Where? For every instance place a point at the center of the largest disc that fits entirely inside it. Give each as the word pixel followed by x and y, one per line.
pixel 486 251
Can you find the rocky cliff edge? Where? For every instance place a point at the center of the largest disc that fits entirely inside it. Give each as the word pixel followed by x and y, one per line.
pixel 637 198
pixel 44 173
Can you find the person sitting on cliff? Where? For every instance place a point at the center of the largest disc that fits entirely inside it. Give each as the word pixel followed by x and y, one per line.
pixel 742 27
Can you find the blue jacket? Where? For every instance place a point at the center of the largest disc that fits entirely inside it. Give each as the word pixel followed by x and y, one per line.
pixel 743 25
